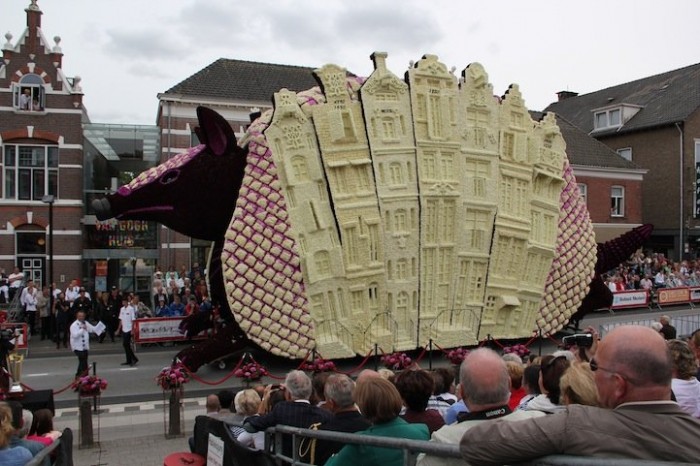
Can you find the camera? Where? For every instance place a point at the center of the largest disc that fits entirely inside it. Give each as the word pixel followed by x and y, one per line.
pixel 582 340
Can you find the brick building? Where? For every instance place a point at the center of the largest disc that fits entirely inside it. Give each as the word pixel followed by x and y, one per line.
pixel 655 123
pixel 235 89
pixel 41 141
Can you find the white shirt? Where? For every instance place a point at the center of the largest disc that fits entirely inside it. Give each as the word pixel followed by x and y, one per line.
pixel 16 279
pixel 29 299
pixel 80 335
pixel 127 316
pixel 72 293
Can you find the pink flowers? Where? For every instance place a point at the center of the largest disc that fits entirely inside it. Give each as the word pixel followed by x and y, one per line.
pixel 520 350
pixel 89 385
pixel 172 377
pixel 251 371
pixel 396 361
pixel 318 365
pixel 457 355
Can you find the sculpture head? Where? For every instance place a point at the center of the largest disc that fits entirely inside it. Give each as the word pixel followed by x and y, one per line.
pixel 193 193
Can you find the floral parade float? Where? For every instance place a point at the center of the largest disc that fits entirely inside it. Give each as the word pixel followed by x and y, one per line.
pixel 382 211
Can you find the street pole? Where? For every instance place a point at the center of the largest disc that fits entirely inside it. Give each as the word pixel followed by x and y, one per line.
pixel 50 199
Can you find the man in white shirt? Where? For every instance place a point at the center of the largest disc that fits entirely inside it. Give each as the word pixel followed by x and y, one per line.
pixel 80 341
pixel 127 315
pixel 28 299
pixel 72 292
pixel 15 281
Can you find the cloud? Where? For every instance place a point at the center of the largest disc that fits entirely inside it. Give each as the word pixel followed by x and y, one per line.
pixel 147 44
pixel 147 71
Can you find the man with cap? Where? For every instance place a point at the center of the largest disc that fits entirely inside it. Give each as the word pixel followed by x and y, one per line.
pixel 162 309
pixel 80 331
pixel 82 303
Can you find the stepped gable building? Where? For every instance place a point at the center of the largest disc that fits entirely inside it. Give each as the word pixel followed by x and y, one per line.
pixel 600 172
pixel 655 123
pixel 41 144
pixel 234 88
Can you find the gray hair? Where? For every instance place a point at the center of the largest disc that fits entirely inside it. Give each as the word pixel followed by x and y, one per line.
pixel 247 402
pixel 339 388
pixel 27 419
pixel 298 385
pixel 478 391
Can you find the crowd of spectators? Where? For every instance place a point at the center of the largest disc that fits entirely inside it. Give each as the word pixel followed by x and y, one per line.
pixel 556 395
pixel 23 435
pixel 650 271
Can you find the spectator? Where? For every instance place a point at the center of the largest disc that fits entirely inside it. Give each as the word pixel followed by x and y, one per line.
pixel 577 385
pixel 225 401
pixel 551 370
pixel 531 376
pixel 212 407
pixel 247 403
pixel 28 299
pixel 41 429
pixel 15 281
pixel 686 387
pixel 72 291
pixel 64 318
pixel 415 387
pixel 10 455
pixel 486 391
pixel 162 309
pixel 667 330
pixel 82 303
pixel 380 402
pixel 694 343
pixel 633 371
pixel 318 383
pixel 177 309
pixel 517 391
pixel 442 399
pixel 142 311
pixel 297 411
pixel 646 283
pixel 42 308
pixel 272 394
pixel 16 439
pixel 338 393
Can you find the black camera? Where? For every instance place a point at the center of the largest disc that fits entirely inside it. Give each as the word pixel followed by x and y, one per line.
pixel 7 334
pixel 582 340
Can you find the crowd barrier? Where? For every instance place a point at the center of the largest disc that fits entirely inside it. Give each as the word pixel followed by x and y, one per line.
pixel 685 325
pixel 658 298
pixel 160 330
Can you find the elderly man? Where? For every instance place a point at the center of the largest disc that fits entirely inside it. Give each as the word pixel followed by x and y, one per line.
pixel 295 411
pixel 633 375
pixel 346 418
pixel 485 390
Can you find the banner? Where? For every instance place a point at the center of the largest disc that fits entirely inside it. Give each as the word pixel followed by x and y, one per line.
pixel 160 329
pixel 695 293
pixel 625 299
pixel 673 295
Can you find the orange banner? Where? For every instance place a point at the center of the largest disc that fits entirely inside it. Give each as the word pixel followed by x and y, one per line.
pixel 673 295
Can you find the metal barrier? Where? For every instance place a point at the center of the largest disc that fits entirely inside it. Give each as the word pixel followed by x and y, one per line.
pixel 412 448
pixel 685 325
pixel 39 458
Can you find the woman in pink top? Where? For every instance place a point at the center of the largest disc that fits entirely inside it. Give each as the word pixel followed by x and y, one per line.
pixel 42 428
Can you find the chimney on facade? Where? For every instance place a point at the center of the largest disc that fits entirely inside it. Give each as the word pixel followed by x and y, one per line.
pixel 563 95
pixel 33 25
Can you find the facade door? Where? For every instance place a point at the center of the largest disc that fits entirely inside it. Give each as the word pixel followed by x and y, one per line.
pixel 33 268
pixel 31 255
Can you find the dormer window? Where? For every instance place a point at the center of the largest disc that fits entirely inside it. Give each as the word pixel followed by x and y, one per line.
pixel 28 94
pixel 608 118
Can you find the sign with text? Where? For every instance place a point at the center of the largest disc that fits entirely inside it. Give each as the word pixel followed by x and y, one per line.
pixel 695 293
pixel 215 451
pixel 625 299
pixel 673 295
pixel 159 329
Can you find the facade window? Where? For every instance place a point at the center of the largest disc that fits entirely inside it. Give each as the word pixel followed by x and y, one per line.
pixel 30 172
pixel 617 201
pixel 395 173
pixel 299 169
pixel 323 263
pixel 625 153
pixel 28 94
pixel 583 189
pixel 608 118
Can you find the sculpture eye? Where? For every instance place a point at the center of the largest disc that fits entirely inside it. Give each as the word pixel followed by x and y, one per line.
pixel 169 176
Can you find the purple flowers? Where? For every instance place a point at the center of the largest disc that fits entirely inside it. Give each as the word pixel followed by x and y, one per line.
pixel 251 371
pixel 89 385
pixel 520 350
pixel 172 377
pixel 457 355
pixel 396 361
pixel 318 365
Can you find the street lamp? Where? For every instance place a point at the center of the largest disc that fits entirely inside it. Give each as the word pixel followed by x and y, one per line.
pixel 133 261
pixel 50 199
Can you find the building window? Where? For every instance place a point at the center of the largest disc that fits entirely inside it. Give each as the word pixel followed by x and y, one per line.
pixel 617 201
pixel 625 153
pixel 28 94
pixel 608 118
pixel 583 189
pixel 30 172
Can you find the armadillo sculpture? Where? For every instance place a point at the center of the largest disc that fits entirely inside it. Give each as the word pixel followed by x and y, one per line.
pixel 382 211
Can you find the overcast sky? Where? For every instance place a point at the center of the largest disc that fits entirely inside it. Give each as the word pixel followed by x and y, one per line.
pixel 128 51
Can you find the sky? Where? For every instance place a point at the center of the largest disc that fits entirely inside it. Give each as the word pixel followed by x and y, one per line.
pixel 129 51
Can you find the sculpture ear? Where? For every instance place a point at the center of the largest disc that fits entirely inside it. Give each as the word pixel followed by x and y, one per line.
pixel 215 132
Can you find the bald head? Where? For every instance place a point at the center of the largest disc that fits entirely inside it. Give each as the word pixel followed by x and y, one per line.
pixel 367 374
pixel 485 380
pixel 213 405
pixel 639 357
